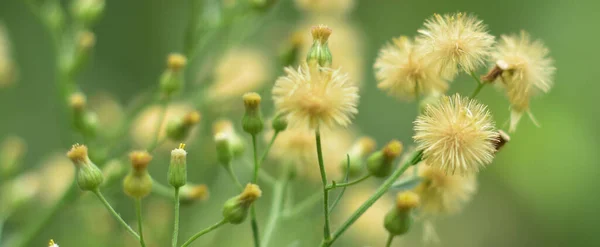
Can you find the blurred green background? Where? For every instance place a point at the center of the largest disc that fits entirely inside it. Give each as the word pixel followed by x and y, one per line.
pixel 540 191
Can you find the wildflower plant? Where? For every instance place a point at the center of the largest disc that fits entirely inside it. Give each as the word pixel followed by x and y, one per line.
pixel 307 129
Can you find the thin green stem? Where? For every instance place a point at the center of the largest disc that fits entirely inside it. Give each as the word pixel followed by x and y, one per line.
pixel 138 211
pixel 176 221
pixel 205 231
pixel 303 206
pixel 235 179
pixel 263 157
pixel 389 241
pixel 253 221
pixel 163 114
pixel 339 196
pixel 326 228
pixel 480 85
pixel 416 158
pixel 262 175
pixel 162 190
pixel 115 214
pixel 334 186
pixel 276 208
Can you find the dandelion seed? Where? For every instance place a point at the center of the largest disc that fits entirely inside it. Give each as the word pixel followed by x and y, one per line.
pixel 457 135
pixel 455 42
pixel 527 70
pixel 405 73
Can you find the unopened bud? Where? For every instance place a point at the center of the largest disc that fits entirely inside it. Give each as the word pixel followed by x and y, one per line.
pixel 179 130
pixel 113 170
pixel 252 122
pixel 501 140
pixel 279 123
pixel 236 144
pixel 191 193
pixel 138 183
pixel 87 11
pixel 319 53
pixel 178 168
pixel 223 146
pixel 171 80
pixel 235 209
pixel 89 176
pixel 357 154
pixel 399 220
pixel 380 163
pixel 84 121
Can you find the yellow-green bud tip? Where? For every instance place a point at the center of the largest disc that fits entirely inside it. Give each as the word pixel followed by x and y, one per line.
pixel 252 100
pixel 140 160
pixel 366 145
pixel 176 61
pixel 77 101
pixel 78 153
pixel 191 118
pixel 321 33
pixel 407 200
pixel 251 193
pixel 86 40
pixel 179 153
pixel 392 149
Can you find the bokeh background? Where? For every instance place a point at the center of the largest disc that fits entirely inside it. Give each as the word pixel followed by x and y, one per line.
pixel 540 191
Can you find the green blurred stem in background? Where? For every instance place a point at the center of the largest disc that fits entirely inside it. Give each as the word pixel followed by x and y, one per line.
pixel 480 85
pixel 115 214
pixel 276 206
pixel 138 211
pixel 389 241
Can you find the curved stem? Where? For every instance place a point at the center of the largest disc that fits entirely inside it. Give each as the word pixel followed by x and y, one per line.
pixel 233 176
pixel 176 221
pixel 303 206
pixel 341 194
pixel 389 241
pixel 416 158
pixel 115 214
pixel 205 231
pixel 161 190
pixel 263 157
pixel 253 221
pixel 480 85
pixel 138 211
pixel 334 186
pixel 326 228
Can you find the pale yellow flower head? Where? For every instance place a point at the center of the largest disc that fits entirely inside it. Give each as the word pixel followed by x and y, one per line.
pixel 442 193
pixel 326 7
pixel 457 135
pixel 456 42
pixel 527 70
pixel 313 97
pixel 400 67
pixel 238 72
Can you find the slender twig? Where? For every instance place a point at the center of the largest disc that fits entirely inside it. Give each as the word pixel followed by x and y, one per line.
pixel 229 170
pixel 340 185
pixel 115 214
pixel 176 221
pixel 253 221
pixel 326 228
pixel 262 175
pixel 389 241
pixel 339 197
pixel 205 231
pixel 276 207
pixel 163 114
pixel 138 211
pixel 416 158
pixel 263 157
pixel 480 85
pixel 162 190
pixel 303 205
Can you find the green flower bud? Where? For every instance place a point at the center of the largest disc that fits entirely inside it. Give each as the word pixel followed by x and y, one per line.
pixel 224 153
pixel 357 154
pixel 279 123
pixel 87 12
pixel 236 144
pixel 399 220
pixel 89 177
pixel 86 41
pixel 319 53
pixel 380 163
pixel 113 170
pixel 235 210
pixel 138 183
pixel 252 122
pixel 180 129
pixel 177 175
pixel 194 192
pixel 84 121
pixel 171 80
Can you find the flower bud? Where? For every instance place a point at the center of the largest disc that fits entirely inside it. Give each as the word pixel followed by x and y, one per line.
pixel 399 220
pixel 180 129
pixel 224 153
pixel 177 170
pixel 290 50
pixel 85 42
pixel 191 193
pixel 236 144
pixel 138 183
pixel 252 122
pixel 319 53
pixel 87 12
pixel 358 152
pixel 171 80
pixel 84 121
pixel 235 209
pixel 113 170
pixel 89 176
pixel 12 151
pixel 380 163
pixel 279 123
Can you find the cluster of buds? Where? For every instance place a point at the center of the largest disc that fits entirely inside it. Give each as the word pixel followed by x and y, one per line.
pixel 235 210
pixel 380 163
pixel 179 129
pixel 84 120
pixel 399 220
pixel 89 176
pixel 171 81
pixel 138 183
